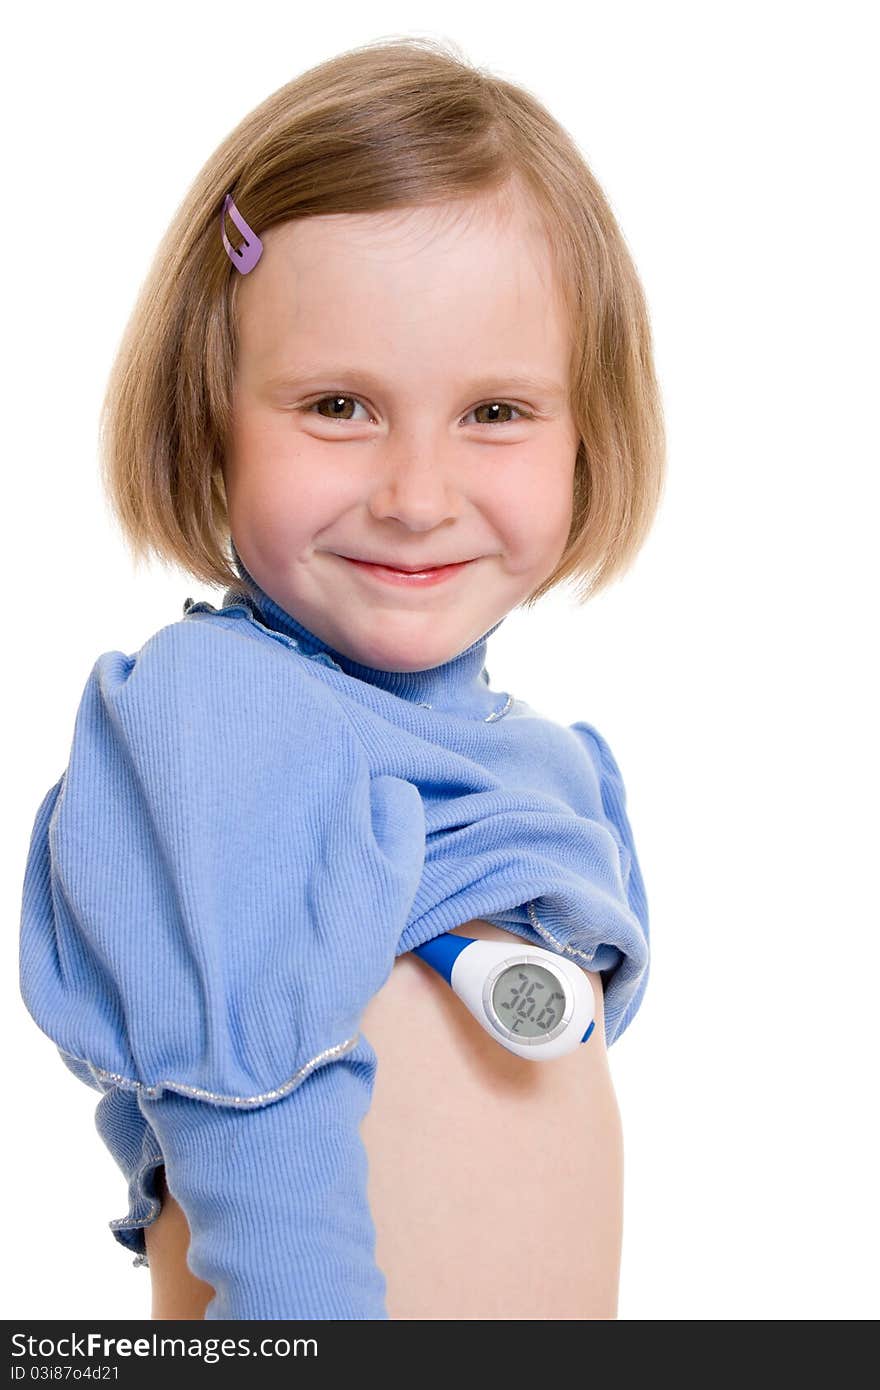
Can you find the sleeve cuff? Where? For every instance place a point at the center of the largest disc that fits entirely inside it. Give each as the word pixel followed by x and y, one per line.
pixel 276 1197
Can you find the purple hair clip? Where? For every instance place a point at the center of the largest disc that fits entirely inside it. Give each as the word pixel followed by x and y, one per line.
pixel 245 257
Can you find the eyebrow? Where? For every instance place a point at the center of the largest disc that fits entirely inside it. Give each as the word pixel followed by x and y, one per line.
pixel 486 383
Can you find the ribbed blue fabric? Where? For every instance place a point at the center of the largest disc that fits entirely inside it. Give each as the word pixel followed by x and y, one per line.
pixel 250 828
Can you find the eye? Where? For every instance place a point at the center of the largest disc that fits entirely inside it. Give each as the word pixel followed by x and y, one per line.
pixel 338 409
pixel 337 406
pixel 497 405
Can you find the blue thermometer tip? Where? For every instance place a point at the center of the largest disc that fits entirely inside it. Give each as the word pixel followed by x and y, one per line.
pixel 442 952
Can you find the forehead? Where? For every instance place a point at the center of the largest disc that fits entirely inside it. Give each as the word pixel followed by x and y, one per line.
pixel 468 270
pixel 490 215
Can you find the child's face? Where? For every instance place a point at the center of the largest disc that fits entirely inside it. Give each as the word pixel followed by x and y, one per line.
pixel 442 334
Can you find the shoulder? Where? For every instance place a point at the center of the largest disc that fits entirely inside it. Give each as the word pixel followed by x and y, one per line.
pixel 219 671
pixel 605 761
pixel 182 649
pixel 596 747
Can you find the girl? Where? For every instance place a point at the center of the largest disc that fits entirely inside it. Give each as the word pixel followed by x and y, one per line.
pixel 413 391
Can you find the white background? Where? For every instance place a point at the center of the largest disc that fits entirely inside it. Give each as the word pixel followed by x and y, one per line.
pixel 730 670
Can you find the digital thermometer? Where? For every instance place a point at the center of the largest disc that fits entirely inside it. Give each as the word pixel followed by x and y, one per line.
pixel 535 1003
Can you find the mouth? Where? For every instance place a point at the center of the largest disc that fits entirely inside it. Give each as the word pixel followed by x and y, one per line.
pixel 433 574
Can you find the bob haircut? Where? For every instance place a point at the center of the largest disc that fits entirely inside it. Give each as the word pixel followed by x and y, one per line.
pixel 395 123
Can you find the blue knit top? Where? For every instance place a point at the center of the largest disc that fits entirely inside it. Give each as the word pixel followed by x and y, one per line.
pixel 250 829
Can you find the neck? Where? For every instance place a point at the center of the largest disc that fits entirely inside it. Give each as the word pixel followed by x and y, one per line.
pixel 457 686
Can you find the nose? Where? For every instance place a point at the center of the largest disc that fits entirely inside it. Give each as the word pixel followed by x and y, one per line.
pixel 413 482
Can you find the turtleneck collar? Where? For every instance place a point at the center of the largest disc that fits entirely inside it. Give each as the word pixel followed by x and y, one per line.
pixel 458 686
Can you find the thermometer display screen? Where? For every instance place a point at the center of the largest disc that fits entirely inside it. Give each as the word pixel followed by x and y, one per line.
pixel 528 1000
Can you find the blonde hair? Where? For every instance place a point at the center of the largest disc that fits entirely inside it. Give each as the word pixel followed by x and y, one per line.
pixel 395 123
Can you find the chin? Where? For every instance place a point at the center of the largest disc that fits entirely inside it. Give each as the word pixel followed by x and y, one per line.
pixel 409 655
pixel 389 661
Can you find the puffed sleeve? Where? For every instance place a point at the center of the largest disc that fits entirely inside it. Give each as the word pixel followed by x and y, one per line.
pixel 630 977
pixel 215 888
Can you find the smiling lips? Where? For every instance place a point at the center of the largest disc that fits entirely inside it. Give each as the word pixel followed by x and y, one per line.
pixel 388 574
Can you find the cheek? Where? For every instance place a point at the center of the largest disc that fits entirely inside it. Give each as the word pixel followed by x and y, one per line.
pixel 278 493
pixel 534 512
